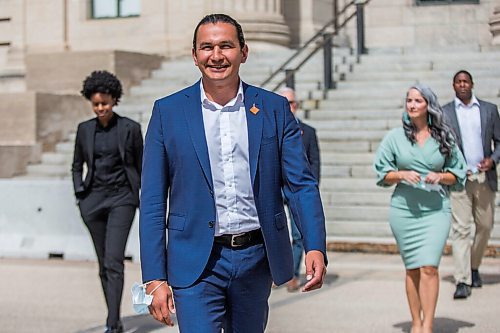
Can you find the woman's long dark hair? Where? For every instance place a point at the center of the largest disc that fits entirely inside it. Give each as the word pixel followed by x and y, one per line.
pixel 440 131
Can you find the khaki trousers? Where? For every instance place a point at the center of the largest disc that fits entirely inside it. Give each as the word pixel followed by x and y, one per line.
pixel 473 206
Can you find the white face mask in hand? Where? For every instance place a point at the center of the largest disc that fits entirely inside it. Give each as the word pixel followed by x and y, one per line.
pixel 141 300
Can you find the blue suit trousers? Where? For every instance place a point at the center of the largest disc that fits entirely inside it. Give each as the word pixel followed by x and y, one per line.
pixel 231 294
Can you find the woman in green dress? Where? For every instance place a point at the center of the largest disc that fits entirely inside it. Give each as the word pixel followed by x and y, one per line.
pixel 423 161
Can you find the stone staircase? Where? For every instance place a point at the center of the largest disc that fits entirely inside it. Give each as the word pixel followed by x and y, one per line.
pixel 350 122
pixel 354 118
pixel 177 74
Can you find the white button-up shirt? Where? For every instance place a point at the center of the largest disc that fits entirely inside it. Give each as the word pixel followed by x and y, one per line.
pixel 469 120
pixel 226 133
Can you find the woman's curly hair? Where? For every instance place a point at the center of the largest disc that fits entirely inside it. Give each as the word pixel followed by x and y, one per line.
pixel 440 131
pixel 102 82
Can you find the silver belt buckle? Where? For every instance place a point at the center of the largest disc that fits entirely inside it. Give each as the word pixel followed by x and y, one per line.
pixel 233 237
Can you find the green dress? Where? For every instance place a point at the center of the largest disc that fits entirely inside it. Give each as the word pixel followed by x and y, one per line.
pixel 420 220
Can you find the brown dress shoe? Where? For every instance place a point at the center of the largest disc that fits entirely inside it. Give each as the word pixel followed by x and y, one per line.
pixel 293 285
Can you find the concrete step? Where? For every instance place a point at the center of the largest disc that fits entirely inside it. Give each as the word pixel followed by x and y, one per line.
pixel 444 93
pixel 360 73
pixel 357 213
pixel 65 147
pixel 375 213
pixel 355 124
pixel 424 65
pixel 332 169
pixel 372 229
pixel 354 135
pixel 49 170
pixel 72 137
pixel 487 85
pixel 358 103
pixel 351 185
pixel 465 56
pixel 349 159
pixel 359 146
pixel 358 228
pixel 50 158
pixel 325 113
pixel 355 199
pixel 389 93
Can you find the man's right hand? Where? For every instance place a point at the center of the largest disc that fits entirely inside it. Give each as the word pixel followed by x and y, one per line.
pixel 163 302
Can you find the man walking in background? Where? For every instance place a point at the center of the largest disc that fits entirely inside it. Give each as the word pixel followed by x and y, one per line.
pixel 477 129
pixel 311 147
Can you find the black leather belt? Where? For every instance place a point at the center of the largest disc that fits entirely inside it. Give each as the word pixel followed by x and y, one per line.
pixel 240 240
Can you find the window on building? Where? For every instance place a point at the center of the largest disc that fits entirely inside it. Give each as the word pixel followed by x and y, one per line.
pixel 444 2
pixel 115 8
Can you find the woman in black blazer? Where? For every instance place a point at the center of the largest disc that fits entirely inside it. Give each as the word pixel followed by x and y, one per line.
pixel 110 146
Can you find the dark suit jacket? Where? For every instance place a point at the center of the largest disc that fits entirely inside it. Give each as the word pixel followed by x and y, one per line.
pixel 177 175
pixel 130 144
pixel 490 129
pixel 311 147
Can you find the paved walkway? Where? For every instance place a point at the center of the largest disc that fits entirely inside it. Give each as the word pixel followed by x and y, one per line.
pixel 364 293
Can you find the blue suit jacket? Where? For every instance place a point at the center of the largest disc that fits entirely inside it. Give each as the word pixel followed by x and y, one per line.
pixel 176 169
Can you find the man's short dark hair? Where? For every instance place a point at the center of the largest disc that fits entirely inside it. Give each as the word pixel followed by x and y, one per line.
pixel 216 18
pixel 463 71
pixel 102 82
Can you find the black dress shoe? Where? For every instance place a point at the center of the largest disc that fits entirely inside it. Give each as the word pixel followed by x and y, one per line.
pixel 114 330
pixel 117 329
pixel 476 279
pixel 463 291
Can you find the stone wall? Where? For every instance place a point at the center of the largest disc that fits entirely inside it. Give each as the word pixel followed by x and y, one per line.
pixel 402 24
pixel 65 71
pixel 18 125
pixel 34 122
pixel 57 116
pixel 18 144
pixel 15 158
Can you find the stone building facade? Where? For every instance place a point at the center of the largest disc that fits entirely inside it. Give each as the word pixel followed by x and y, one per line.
pixel 165 26
pixel 47 46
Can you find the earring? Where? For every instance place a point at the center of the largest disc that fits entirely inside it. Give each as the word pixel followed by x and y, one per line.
pixel 429 120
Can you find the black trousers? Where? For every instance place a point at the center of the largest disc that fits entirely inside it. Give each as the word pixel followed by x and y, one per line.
pixel 108 216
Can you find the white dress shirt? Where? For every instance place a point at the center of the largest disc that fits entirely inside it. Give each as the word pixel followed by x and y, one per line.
pixel 469 120
pixel 226 133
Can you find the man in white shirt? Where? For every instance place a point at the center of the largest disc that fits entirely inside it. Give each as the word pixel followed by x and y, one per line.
pixel 219 154
pixel 476 126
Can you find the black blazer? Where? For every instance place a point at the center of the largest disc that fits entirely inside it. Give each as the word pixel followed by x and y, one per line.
pixel 130 145
pixel 311 146
pixel 490 130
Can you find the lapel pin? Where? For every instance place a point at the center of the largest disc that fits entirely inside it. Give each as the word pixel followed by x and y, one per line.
pixel 254 109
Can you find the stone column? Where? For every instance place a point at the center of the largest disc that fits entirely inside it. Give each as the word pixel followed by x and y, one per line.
pixel 262 20
pixel 495 26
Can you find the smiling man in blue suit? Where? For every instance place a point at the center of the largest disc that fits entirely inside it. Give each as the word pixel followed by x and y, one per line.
pixel 217 156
